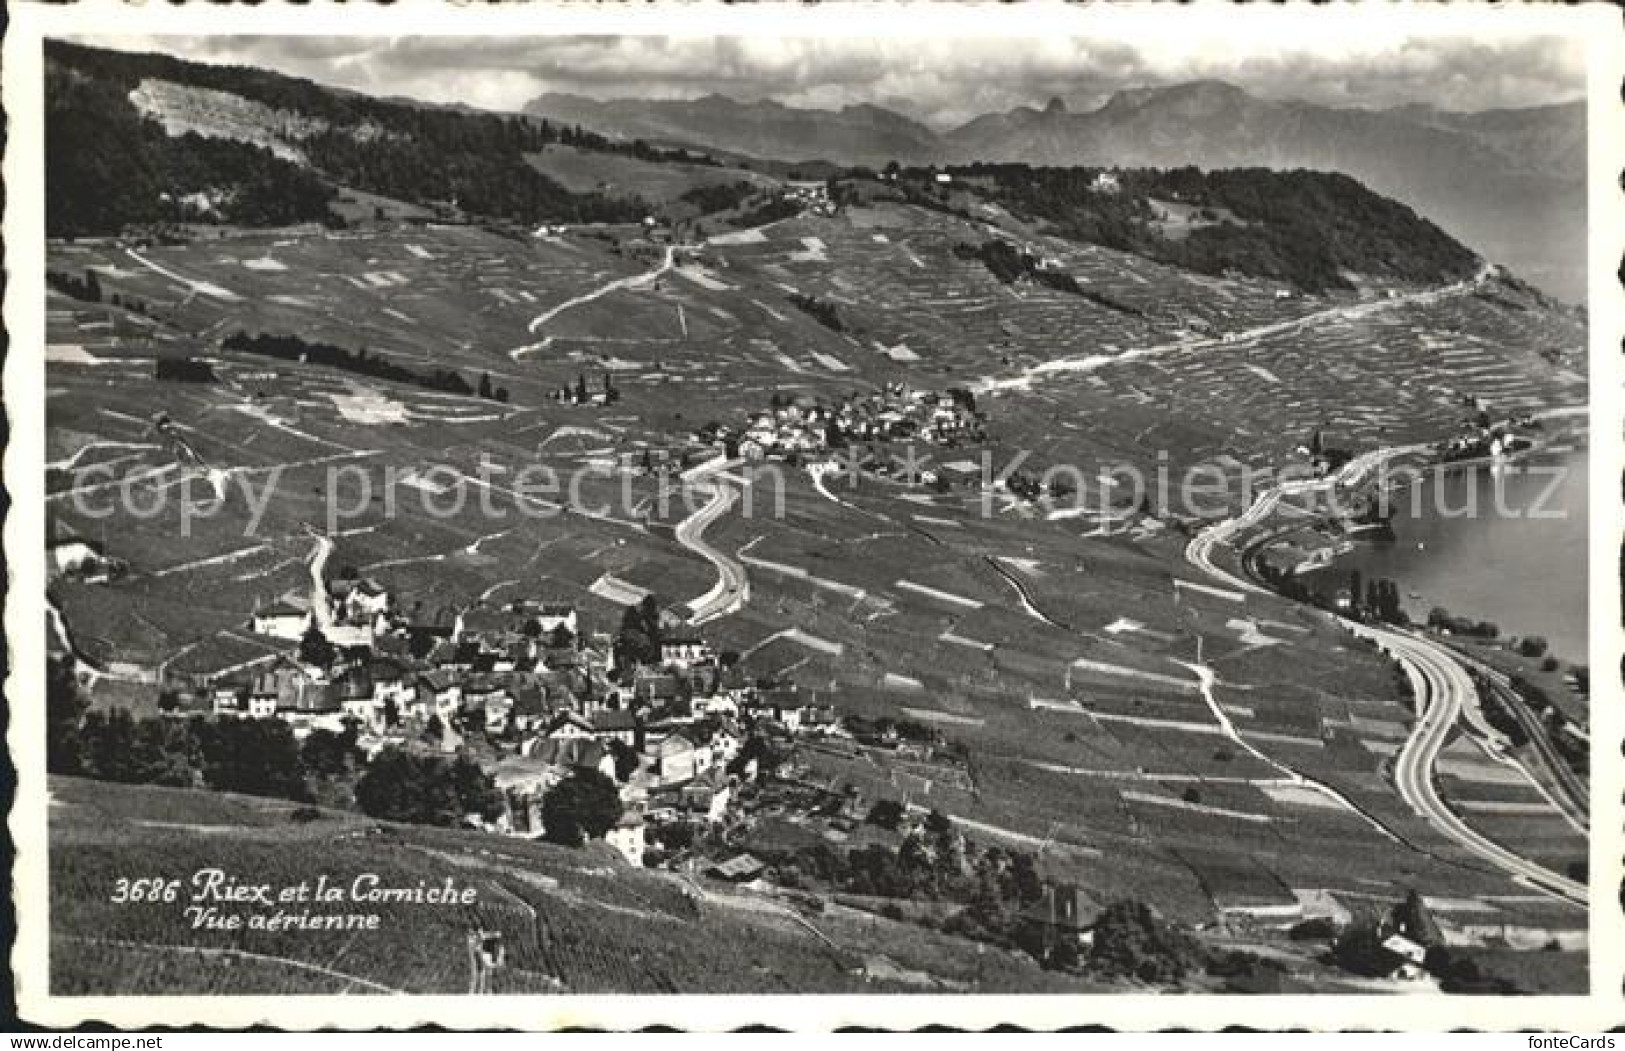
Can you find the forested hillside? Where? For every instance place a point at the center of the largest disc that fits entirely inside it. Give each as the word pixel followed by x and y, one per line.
pixel 1309 229
pixel 109 165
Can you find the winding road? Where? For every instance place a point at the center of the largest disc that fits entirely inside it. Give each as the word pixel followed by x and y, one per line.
pixel 1442 687
pixel 634 281
pixel 320 605
pixel 732 589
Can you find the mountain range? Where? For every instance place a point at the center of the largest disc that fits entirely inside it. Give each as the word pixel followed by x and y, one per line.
pixel 1509 182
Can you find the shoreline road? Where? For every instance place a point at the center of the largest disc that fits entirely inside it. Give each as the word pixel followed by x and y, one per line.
pixel 1199 552
pixel 1442 687
pixel 1571 796
pixel 1439 682
pixel 732 589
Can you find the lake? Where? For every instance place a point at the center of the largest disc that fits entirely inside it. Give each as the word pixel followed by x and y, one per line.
pixel 1518 559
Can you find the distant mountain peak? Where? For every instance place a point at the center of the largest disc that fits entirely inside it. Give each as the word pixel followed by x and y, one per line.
pixel 1055 107
pixel 1205 93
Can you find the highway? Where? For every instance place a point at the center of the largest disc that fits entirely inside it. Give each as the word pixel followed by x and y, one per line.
pixel 1441 686
pixel 732 589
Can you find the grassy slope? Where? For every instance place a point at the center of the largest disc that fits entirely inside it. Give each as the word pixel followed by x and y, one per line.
pixel 580 918
pixel 616 175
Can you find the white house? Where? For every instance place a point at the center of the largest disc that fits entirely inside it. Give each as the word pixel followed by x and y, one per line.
pixel 439 692
pixel 725 744
pixel 627 837
pixel 282 620
pixel 359 600
pixel 70 556
pixel 347 636
pixel 554 616
pixel 567 725
pixel 685 649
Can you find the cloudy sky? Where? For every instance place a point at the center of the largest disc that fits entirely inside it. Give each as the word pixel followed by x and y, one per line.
pixel 941 80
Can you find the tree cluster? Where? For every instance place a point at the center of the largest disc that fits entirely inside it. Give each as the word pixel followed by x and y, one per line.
pixel 820 310
pixel 426 789
pixel 87 289
pixel 108 166
pixel 1133 941
pixel 1377 600
pixel 359 361
pixel 254 756
pixel 717 197
pixel 1441 619
pixel 1009 265
pixel 584 805
pixel 769 211
pixel 638 641
pixel 1303 228
pixel 185 370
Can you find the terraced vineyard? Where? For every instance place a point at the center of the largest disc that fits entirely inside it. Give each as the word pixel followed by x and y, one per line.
pixel 1145 728
pixel 568 922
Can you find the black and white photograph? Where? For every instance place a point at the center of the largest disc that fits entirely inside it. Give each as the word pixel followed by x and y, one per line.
pixel 636 504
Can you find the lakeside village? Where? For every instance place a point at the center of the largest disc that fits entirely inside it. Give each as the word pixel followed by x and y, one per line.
pixel 1314 545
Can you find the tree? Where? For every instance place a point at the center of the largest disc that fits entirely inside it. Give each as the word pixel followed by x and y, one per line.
pixel 1412 918
pixel 254 756
pixel 938 824
pixel 583 806
pixel 65 706
pixel 328 754
pixel 476 790
pixel 1359 950
pixel 639 638
pixel 1532 646
pixel 1025 884
pixel 404 786
pixel 581 389
pixel 314 649
pixel 107 745
pixel 626 759
pixel 485 386
pixel 887 813
pixel 165 752
pixel 1133 941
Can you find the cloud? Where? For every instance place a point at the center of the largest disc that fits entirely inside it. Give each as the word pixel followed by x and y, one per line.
pixel 942 80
